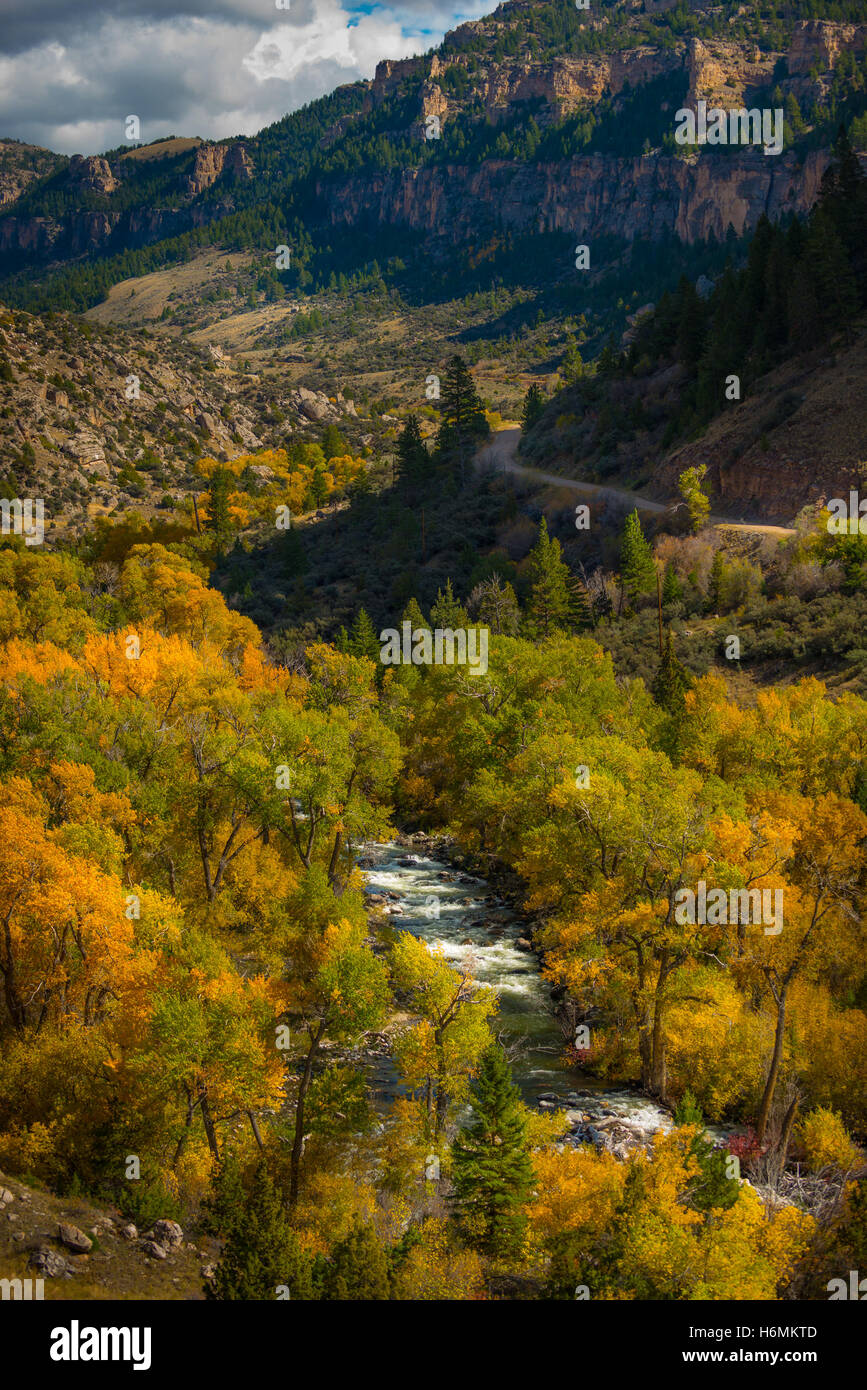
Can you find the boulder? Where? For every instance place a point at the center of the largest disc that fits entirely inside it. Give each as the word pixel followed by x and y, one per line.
pixel 154 1249
pixel 74 1238
pixel 168 1233
pixel 49 1263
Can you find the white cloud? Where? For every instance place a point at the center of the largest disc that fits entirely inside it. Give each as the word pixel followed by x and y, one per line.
pixel 191 68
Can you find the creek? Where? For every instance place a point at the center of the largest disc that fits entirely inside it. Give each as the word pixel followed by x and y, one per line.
pixel 477 930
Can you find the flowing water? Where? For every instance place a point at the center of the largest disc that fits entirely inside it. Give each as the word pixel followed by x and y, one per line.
pixel 475 929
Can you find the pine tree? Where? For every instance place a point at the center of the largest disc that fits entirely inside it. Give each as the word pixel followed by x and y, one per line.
pixel 462 413
pixel 413 457
pixel 219 519
pixel 691 325
pixel 715 582
pixel 413 614
pixel 582 604
pixel 572 367
pixel 446 612
pixel 672 589
pixel 671 681
pixel 534 405
pixel 492 1172
pixel 357 1270
pixel 333 444
pixel 637 570
pixel 363 640
pixel 550 601
pixel 843 196
pixel 836 287
pixel 712 1189
pixel 260 1253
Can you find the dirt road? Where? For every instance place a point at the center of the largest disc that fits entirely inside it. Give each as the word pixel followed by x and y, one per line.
pixel 501 453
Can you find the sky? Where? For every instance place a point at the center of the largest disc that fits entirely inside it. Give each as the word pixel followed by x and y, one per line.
pixel 72 71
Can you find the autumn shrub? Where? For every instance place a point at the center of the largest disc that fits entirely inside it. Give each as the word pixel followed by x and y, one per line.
pixel 825 1141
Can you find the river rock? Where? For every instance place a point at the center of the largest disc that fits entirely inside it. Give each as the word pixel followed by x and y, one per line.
pixel 522 944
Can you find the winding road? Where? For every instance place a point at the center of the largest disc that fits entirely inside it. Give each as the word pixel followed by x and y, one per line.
pixel 501 453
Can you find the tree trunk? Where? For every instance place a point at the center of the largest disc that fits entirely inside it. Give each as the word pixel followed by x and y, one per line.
pixel 254 1125
pixel 658 1060
pixel 773 1074
pixel 298 1141
pixel 208 1121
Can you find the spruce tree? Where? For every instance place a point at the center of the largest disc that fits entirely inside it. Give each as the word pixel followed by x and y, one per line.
pixel 413 614
pixel 712 1188
pixel 637 570
pixel 672 589
pixel 550 601
pixel 358 1269
pixel 219 519
pixel 363 640
pixel 446 612
pixel 492 1173
pixel 582 604
pixel 260 1253
pixel 412 456
pixel 462 414
pixel 671 681
pixel 715 582
pixel 534 405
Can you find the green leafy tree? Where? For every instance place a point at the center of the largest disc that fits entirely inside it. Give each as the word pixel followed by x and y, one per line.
pixel 492 1173
pixel 690 487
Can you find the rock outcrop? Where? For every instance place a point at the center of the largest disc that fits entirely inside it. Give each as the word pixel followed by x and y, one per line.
pixel 591 195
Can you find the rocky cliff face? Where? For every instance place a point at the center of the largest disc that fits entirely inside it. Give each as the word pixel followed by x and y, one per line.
pixel 590 195
pixel 212 160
